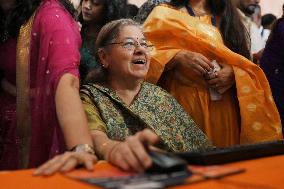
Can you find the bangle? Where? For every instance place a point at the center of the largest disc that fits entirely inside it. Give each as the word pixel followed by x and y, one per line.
pixel 83 148
pixel 102 148
pixel 105 144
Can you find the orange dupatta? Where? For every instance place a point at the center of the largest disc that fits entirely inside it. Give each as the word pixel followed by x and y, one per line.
pixel 171 30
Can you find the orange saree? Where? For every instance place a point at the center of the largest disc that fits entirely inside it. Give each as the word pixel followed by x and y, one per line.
pixel 246 113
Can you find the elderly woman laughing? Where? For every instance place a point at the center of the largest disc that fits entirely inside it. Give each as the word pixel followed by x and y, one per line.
pixel 126 114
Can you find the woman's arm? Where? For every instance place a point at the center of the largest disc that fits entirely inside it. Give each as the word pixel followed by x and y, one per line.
pixel 73 123
pixel 70 112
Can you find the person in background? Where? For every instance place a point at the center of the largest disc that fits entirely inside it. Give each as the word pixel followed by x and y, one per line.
pixel 256 16
pixel 267 22
pixel 41 113
pixel 146 8
pixel 201 58
pixel 126 114
pixel 95 14
pixel 132 10
pixel 246 10
pixel 272 63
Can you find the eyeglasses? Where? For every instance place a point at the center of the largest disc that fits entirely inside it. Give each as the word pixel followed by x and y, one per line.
pixel 131 44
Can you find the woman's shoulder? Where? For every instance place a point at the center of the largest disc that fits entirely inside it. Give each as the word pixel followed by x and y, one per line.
pixel 53 15
pixel 94 89
pixel 51 7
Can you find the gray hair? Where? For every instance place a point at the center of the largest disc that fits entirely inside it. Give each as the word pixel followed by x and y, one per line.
pixel 107 34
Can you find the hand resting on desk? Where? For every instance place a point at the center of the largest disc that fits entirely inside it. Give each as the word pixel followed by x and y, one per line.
pixel 65 162
pixel 129 155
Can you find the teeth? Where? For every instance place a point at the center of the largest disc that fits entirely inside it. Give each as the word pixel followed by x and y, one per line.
pixel 139 61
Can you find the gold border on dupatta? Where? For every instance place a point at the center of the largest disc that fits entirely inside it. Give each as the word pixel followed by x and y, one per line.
pixel 23 90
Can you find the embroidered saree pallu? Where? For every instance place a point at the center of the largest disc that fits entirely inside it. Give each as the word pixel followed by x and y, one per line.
pixel 152 108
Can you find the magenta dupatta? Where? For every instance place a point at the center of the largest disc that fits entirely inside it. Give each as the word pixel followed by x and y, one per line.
pixel 54 51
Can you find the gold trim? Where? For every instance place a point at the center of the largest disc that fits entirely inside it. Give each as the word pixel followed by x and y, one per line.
pixel 23 86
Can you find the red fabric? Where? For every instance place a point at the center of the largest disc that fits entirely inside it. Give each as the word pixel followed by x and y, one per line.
pixel 55 51
pixel 8 135
pixel 55 43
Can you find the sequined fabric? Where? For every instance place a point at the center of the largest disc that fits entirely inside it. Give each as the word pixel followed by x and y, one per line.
pixel 23 83
pixel 54 51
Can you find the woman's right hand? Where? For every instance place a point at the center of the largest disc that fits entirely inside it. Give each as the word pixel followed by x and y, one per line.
pixel 66 162
pixel 195 61
pixel 131 154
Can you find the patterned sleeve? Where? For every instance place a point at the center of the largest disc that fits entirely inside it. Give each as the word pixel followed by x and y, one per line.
pixel 95 121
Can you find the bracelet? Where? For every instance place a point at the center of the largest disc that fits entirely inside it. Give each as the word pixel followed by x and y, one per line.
pixel 102 148
pixel 83 148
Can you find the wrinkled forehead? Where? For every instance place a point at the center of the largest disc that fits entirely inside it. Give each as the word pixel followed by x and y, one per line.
pixel 130 31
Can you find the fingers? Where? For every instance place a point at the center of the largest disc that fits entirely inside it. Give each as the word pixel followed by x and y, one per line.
pixel 140 153
pixel 210 75
pixel 131 158
pixel 206 63
pixel 79 158
pixel 117 156
pixel 223 81
pixel 196 61
pixel 201 65
pixel 70 164
pixel 148 137
pixel 199 69
pixel 214 83
pixel 52 165
pixel 125 155
pixel 118 160
pixel 137 145
pixel 131 154
pixel 66 162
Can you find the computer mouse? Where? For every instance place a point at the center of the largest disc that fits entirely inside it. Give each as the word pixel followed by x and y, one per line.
pixel 164 162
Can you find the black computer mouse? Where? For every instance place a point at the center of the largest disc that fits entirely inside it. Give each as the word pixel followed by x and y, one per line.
pixel 164 162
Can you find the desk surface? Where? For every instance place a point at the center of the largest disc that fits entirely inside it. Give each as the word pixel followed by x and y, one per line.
pixel 264 173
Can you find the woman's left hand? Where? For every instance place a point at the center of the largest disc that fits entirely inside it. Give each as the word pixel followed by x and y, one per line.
pixel 65 162
pixel 222 80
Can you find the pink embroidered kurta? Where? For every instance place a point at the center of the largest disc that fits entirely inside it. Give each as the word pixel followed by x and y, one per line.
pixel 54 51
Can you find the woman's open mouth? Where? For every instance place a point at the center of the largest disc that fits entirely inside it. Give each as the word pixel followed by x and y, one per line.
pixel 139 61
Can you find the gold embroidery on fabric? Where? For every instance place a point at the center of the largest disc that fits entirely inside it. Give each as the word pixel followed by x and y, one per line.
pixel 22 79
